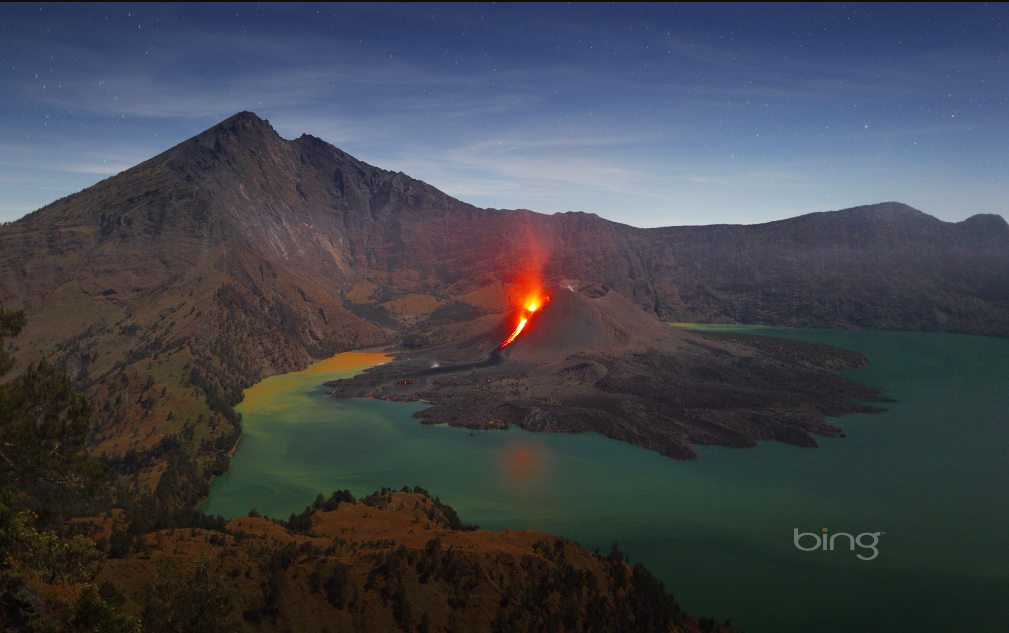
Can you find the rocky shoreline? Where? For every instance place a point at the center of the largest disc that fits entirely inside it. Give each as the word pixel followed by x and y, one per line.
pixel 665 393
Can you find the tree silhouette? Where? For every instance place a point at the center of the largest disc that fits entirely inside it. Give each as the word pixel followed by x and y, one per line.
pixel 43 422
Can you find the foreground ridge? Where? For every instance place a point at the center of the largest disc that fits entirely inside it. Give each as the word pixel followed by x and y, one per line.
pixel 392 562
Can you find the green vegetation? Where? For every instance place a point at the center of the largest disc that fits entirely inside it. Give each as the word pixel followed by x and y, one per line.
pixel 421 335
pixel 384 294
pixel 381 498
pixel 43 422
pixel 427 334
pixel 191 598
pixel 301 522
pixel 50 559
pixel 46 479
pixel 373 313
pixel 442 513
pixel 454 312
pixel 646 607
pixel 43 426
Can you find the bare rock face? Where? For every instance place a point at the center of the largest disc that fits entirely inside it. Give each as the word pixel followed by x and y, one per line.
pixel 583 317
pixel 590 360
pixel 238 254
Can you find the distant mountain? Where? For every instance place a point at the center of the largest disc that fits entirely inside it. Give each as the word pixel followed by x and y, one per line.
pixel 884 266
pixel 168 288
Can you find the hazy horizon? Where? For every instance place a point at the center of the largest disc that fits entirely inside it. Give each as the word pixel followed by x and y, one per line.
pixel 649 115
pixel 555 212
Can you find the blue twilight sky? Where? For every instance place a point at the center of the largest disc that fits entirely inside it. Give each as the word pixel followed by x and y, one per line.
pixel 646 114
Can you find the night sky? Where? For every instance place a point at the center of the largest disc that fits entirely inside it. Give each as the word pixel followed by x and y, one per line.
pixel 646 114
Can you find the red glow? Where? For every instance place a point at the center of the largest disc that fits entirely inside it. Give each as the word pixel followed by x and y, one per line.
pixel 524 463
pixel 532 304
pixel 524 286
pixel 517 331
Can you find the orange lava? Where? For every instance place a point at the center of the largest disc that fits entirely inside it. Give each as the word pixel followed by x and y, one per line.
pixel 532 305
pixel 517 331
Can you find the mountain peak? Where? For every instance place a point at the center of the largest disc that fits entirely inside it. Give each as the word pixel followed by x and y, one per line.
pixel 245 127
pixel 989 225
pixel 244 118
pixel 891 209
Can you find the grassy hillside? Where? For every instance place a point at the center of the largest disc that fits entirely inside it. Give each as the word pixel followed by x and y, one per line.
pixel 394 561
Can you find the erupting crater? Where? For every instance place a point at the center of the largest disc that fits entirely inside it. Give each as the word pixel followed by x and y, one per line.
pixel 531 307
pixel 582 357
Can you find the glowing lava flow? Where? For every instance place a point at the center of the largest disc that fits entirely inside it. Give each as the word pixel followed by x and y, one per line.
pixel 532 307
pixel 517 331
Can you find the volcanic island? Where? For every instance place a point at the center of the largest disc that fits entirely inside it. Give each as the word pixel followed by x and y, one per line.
pixel 582 357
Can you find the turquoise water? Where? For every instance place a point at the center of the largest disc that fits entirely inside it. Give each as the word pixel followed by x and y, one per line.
pixel 930 475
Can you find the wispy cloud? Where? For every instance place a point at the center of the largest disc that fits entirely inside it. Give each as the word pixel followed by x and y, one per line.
pixel 632 114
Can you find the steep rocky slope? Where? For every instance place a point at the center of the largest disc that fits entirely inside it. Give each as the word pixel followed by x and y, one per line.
pixel 237 254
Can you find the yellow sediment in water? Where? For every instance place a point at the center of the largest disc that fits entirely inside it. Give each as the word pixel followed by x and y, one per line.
pixel 346 361
pixel 341 366
pixel 730 514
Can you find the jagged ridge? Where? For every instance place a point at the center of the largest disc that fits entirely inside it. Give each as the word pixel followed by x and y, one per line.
pixel 169 287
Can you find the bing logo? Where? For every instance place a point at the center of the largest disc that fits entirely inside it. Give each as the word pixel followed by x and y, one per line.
pixel 822 542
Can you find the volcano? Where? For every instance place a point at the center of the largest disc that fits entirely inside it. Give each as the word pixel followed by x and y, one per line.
pixel 588 316
pixel 238 254
pixel 591 360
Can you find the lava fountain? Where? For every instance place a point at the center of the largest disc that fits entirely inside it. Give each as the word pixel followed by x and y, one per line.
pixel 532 305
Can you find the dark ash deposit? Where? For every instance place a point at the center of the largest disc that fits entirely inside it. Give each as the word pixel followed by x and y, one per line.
pixel 591 360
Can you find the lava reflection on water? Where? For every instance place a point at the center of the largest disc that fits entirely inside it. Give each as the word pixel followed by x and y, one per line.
pixel 524 463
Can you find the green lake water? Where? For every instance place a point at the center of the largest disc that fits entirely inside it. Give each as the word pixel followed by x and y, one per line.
pixel 930 474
